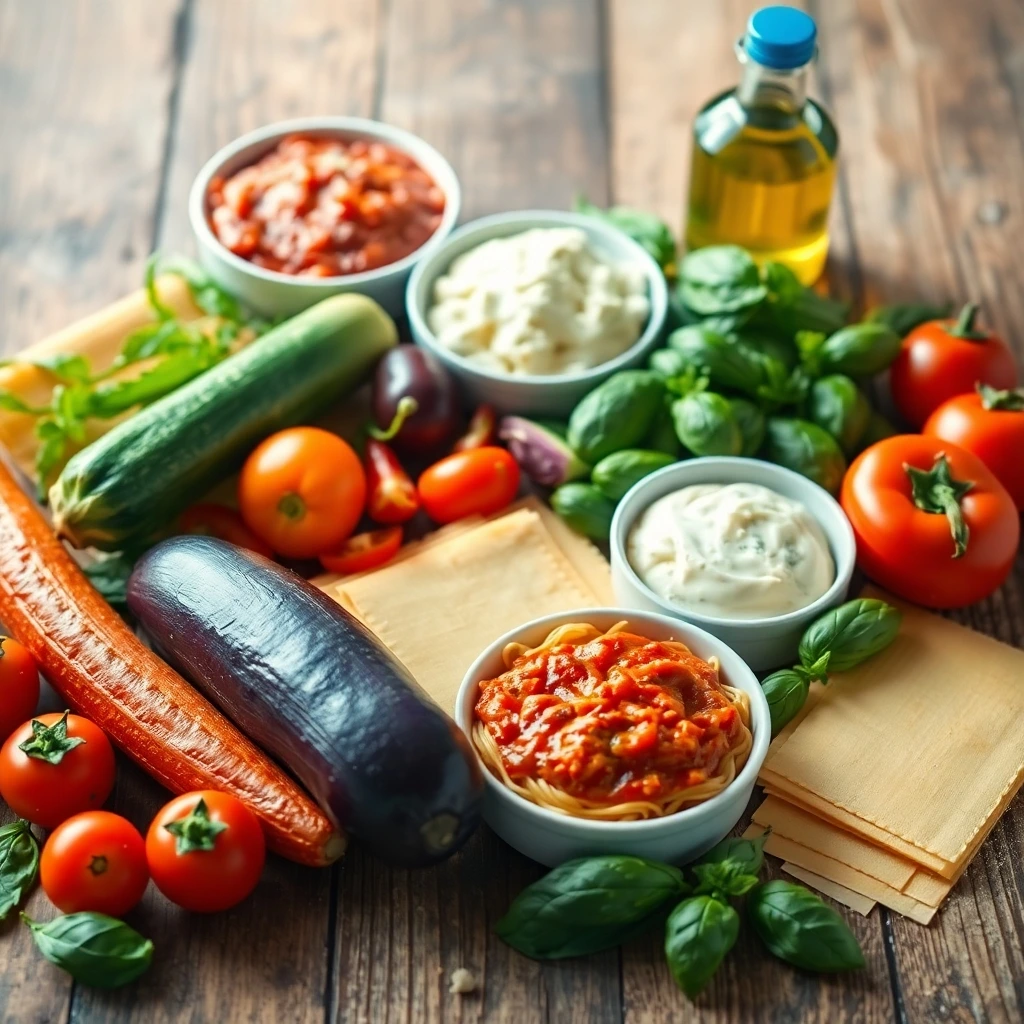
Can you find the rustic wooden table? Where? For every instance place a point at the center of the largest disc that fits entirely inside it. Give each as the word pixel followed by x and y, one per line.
pixel 107 110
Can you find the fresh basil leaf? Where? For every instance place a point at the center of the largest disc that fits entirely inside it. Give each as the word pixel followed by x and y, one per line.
pixel 802 929
pixel 585 905
pixel 806 449
pixel 53 444
pixel 903 318
pixel 698 935
pixel 706 425
pixel 94 949
pixel 837 405
pixel 19 864
pixel 723 879
pixel 720 279
pixel 859 350
pixel 751 423
pixel 70 405
pixel 118 396
pixel 850 634
pixel 66 366
pixel 644 228
pixel 745 854
pixel 786 693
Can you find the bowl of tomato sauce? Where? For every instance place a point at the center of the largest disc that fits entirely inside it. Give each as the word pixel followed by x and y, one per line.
pixel 298 210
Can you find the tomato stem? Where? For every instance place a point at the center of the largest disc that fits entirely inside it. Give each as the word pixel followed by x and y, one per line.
pixel 291 506
pixel 1011 400
pixel 50 742
pixel 196 831
pixel 964 326
pixel 934 490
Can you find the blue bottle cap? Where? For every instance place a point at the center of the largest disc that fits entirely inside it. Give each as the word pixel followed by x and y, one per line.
pixel 780 37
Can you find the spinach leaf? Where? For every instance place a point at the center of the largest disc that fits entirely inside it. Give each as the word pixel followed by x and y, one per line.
pixel 746 854
pixel 720 279
pixel 644 228
pixel 19 864
pixel 94 949
pixel 802 929
pixel 786 693
pixel 850 634
pixel 903 318
pixel 587 905
pixel 698 935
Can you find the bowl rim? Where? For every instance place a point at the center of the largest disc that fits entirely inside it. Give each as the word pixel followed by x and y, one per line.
pixel 657 292
pixel 739 674
pixel 845 559
pixel 411 144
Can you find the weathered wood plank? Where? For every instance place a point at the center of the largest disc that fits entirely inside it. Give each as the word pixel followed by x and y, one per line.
pixel 83 114
pixel 242 65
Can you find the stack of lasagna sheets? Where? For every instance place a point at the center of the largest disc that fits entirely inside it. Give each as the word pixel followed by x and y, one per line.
pixel 885 787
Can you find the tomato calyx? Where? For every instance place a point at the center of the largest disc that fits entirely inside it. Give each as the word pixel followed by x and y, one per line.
pixel 50 743
pixel 98 865
pixel 936 491
pixel 1011 400
pixel 964 325
pixel 407 406
pixel 291 506
pixel 196 831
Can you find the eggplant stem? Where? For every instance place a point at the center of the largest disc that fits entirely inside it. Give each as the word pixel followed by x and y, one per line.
pixel 407 406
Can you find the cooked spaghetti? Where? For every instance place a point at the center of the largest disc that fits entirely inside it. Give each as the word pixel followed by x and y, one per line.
pixel 611 726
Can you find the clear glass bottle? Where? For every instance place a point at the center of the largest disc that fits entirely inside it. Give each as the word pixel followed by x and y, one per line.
pixel 764 155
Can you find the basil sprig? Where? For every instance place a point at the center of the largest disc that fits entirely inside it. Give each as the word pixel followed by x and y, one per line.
pixel 585 905
pixel 747 854
pixel 698 935
pixel 94 949
pixel 837 642
pixel 19 864
pixel 802 929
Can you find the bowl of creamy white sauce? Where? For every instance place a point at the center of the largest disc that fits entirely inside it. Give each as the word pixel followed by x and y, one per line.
pixel 531 310
pixel 745 549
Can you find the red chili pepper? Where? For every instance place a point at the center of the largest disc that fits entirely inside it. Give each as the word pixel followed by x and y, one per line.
pixel 480 432
pixel 364 551
pixel 391 493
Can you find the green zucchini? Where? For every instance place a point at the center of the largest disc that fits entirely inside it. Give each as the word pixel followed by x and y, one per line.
pixel 121 492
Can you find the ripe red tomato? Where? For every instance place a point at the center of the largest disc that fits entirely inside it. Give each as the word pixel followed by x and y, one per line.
pixel 205 850
pixel 94 861
pixel 932 523
pixel 941 359
pixel 364 551
pixel 56 766
pixel 211 520
pixel 302 491
pixel 475 482
pixel 19 685
pixel 990 424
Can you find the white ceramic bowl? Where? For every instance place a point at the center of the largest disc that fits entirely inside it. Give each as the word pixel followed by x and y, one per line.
pixel 549 395
pixel 274 294
pixel 764 643
pixel 550 837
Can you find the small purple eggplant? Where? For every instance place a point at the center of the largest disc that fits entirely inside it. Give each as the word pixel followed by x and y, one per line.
pixel 541 451
pixel 407 375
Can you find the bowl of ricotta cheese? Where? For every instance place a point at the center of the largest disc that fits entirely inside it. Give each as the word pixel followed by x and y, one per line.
pixel 747 550
pixel 533 309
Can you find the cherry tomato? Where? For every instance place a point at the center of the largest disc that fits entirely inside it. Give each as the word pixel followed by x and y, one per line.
pixel 302 491
pixel 205 850
pixel 932 523
pixel 94 861
pixel 990 424
pixel 56 766
pixel 364 551
pixel 941 359
pixel 212 520
pixel 478 481
pixel 19 685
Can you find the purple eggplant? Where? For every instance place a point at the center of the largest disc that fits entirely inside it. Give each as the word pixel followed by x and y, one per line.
pixel 408 372
pixel 541 451
pixel 312 686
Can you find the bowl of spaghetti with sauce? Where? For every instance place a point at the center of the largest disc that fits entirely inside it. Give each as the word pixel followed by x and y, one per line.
pixel 607 730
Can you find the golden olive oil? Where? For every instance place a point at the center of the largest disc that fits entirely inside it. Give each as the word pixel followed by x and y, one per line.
pixel 763 166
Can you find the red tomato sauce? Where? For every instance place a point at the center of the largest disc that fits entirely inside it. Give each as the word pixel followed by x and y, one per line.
pixel 616 719
pixel 326 207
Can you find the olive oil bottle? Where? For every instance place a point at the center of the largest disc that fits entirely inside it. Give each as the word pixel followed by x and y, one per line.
pixel 764 155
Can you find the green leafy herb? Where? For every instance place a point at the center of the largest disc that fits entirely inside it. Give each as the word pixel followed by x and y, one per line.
pixel 786 692
pixel 94 949
pixel 50 743
pixel 720 279
pixel 698 935
pixel 849 634
pixel 746 854
pixel 791 307
pixel 19 864
pixel 197 831
pixel 837 405
pixel 109 575
pixel 644 228
pixel 800 928
pixel 706 425
pixel 752 425
pixel 725 363
pixel 588 905
pixel 903 318
pixel 723 879
pixel 858 350
pixel 807 449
